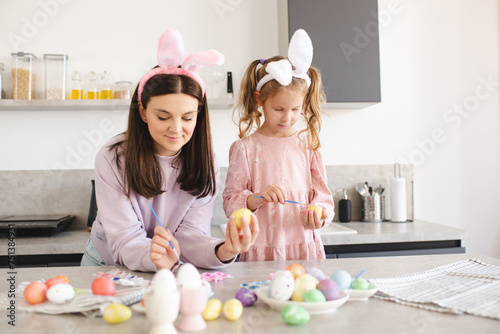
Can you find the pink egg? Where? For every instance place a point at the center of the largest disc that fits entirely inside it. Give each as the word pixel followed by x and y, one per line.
pixel 329 288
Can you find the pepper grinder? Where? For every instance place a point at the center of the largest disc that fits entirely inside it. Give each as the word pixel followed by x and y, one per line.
pixel 344 207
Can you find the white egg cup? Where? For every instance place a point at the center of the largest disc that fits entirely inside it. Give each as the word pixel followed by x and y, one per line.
pixel 162 310
pixel 192 304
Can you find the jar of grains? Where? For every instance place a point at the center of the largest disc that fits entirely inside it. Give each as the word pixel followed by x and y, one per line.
pixel 55 76
pixel 23 76
pixel 123 90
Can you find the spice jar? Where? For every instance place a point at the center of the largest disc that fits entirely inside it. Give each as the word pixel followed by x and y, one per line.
pixel 106 92
pixel 23 76
pixel 77 90
pixel 123 90
pixel 2 91
pixel 55 76
pixel 92 93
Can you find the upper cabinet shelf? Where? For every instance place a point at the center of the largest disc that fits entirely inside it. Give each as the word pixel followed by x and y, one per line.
pixel 14 105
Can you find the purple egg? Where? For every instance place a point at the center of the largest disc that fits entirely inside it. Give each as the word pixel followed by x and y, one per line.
pixel 329 288
pixel 315 272
pixel 246 297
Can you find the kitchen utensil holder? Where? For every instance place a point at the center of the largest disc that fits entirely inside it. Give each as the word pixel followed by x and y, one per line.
pixel 373 208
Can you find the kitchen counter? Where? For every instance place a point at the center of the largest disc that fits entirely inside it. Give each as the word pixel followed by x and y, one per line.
pixel 340 239
pixel 372 316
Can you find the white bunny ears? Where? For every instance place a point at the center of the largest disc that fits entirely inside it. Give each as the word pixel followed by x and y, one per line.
pixel 171 55
pixel 300 53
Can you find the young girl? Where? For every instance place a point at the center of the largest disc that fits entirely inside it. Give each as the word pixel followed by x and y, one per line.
pixel 163 165
pixel 277 163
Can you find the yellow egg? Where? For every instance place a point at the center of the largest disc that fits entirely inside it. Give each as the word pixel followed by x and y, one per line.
pixel 238 214
pixel 233 309
pixel 303 283
pixel 213 309
pixel 116 313
pixel 316 208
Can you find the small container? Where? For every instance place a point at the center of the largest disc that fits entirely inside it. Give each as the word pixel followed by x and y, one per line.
pixel 123 90
pixel 106 92
pixel 76 89
pixel 23 76
pixel 92 92
pixel 371 208
pixel 2 91
pixel 344 208
pixel 55 76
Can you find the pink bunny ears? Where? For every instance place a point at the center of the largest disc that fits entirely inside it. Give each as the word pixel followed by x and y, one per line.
pixel 171 55
pixel 300 53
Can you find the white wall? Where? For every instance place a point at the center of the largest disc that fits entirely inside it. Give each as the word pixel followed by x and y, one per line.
pixel 437 58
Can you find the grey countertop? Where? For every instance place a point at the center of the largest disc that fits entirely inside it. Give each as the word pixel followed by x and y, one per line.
pixel 372 316
pixel 74 241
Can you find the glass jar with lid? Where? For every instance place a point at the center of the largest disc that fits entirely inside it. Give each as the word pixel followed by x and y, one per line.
pixel 106 92
pixel 2 91
pixel 23 76
pixel 76 89
pixel 92 92
pixel 55 76
pixel 123 90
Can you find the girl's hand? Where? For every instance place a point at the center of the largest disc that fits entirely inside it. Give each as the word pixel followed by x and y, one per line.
pixel 238 240
pixel 161 254
pixel 312 220
pixel 272 193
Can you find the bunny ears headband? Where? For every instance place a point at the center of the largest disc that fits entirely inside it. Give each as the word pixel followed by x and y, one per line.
pixel 171 55
pixel 300 53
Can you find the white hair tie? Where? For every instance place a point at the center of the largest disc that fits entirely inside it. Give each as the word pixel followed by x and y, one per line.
pixel 300 52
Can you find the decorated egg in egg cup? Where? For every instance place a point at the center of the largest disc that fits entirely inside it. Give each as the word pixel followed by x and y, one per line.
pixel 193 298
pixel 162 300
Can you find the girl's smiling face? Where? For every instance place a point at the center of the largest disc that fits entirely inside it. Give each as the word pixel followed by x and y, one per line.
pixel 281 112
pixel 171 121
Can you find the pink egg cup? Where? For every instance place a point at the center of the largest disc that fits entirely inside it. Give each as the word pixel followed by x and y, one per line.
pixel 193 302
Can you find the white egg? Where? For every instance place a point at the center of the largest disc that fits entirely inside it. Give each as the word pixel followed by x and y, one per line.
pixel 188 277
pixel 282 285
pixel 163 282
pixel 60 293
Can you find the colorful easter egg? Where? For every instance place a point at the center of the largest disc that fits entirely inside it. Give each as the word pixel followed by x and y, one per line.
pixel 343 279
pixel 240 213
pixel 103 286
pixel 296 269
pixel 282 285
pixel 232 309
pixel 316 272
pixel 60 293
pixel 314 296
pixel 116 313
pixel 212 310
pixel 246 297
pixel 295 315
pixel 35 292
pixel 329 288
pixel 360 284
pixel 303 284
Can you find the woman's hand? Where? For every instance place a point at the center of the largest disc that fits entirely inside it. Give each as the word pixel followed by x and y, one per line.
pixel 312 220
pixel 161 254
pixel 238 240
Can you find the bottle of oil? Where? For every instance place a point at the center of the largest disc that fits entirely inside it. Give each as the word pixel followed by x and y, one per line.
pixel 76 90
pixel 92 93
pixel 106 92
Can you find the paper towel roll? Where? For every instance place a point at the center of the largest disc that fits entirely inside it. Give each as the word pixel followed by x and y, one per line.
pixel 398 200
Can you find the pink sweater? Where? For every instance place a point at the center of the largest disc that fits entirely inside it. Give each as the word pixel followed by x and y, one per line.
pixel 124 226
pixel 258 161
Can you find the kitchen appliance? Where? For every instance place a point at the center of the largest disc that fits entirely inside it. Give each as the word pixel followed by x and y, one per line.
pixel 35 225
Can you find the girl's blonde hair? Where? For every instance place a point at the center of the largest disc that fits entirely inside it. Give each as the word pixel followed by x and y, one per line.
pixel 247 108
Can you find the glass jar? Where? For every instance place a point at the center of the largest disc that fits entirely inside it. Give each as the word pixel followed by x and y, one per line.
pixel 106 92
pixel 93 92
pixel 123 90
pixel 55 76
pixel 23 76
pixel 2 91
pixel 76 89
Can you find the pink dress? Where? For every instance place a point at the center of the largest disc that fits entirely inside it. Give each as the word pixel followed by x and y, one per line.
pixel 258 161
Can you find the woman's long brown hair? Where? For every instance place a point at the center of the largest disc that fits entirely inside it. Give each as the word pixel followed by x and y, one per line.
pixel 195 162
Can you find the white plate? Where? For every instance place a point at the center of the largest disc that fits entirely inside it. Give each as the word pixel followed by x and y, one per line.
pixel 361 295
pixel 311 307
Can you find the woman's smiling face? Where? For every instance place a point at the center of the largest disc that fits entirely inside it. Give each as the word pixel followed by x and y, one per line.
pixel 171 121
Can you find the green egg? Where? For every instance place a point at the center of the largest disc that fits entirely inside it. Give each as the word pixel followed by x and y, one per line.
pixel 315 296
pixel 295 315
pixel 360 284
